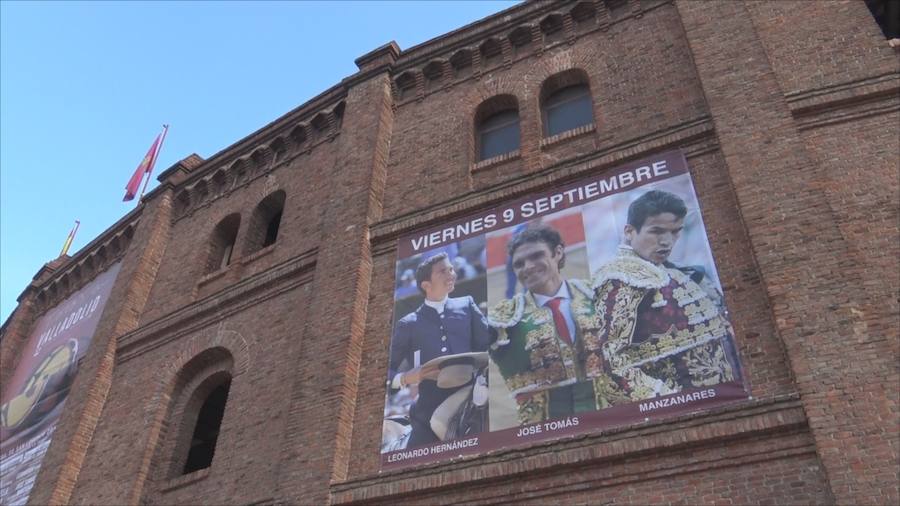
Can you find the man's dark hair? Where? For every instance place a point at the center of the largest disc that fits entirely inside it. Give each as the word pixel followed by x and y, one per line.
pixel 423 271
pixel 653 203
pixel 538 233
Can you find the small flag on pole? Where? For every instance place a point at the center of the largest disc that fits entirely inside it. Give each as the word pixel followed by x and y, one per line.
pixel 69 239
pixel 145 167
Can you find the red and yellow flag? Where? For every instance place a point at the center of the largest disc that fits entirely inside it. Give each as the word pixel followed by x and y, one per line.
pixel 68 243
pixel 145 167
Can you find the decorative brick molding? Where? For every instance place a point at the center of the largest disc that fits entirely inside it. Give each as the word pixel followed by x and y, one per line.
pixel 183 481
pixel 497 160
pixel 245 293
pixel 547 142
pixel 206 185
pixel 69 274
pixel 725 428
pixel 528 16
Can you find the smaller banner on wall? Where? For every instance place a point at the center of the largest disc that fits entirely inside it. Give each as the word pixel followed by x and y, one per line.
pixel 33 399
pixel 590 306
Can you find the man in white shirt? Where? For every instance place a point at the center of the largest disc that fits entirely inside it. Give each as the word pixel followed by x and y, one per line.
pixel 441 326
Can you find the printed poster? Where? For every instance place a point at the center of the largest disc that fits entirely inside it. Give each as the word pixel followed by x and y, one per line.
pixel 593 305
pixel 33 399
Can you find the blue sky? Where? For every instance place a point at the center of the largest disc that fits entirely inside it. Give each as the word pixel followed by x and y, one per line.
pixel 86 86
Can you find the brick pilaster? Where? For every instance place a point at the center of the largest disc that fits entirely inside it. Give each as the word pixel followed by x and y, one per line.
pixel 847 380
pixel 330 352
pixel 62 464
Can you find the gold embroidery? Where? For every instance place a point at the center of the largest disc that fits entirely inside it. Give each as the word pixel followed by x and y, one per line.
pixel 670 342
pixel 533 409
pixel 503 313
pixel 607 393
pixel 618 327
pixel 631 269
pixel 708 366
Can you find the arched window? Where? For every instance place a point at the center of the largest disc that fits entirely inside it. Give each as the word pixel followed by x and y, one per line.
pixel 196 415
pixel 265 222
pixel 206 430
pixel 566 103
pixel 497 127
pixel 221 244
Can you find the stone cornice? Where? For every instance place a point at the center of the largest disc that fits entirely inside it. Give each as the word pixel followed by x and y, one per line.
pixel 235 298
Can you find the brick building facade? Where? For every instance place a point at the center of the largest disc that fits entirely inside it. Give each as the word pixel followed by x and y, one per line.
pixel 789 115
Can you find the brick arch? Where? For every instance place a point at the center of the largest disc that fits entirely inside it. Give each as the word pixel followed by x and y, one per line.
pixel 490 88
pixel 548 65
pixel 551 64
pixel 562 79
pixel 181 373
pixel 229 340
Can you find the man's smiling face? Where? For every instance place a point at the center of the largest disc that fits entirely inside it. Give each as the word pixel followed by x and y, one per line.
pixel 537 267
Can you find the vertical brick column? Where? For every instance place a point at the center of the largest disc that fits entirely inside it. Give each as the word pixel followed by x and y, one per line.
pixel 848 380
pixel 62 464
pixel 320 425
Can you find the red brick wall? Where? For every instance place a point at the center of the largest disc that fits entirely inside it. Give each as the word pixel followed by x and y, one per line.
pixel 788 114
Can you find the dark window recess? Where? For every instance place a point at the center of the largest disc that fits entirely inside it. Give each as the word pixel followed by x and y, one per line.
pixel 567 109
pixel 499 134
pixel 272 230
pixel 221 247
pixel 265 223
pixel 206 433
pixel 887 15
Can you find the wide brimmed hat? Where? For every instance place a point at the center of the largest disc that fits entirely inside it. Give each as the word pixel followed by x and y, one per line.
pixel 457 370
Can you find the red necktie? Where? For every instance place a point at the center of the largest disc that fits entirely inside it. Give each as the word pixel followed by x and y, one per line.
pixel 561 328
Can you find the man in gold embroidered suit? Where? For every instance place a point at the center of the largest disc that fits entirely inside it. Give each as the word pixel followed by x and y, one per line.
pixel 662 328
pixel 545 340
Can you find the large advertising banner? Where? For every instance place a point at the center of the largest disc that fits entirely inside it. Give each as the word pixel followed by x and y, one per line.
pixel 590 306
pixel 34 397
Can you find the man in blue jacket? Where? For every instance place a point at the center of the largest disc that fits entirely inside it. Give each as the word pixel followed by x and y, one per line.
pixel 441 326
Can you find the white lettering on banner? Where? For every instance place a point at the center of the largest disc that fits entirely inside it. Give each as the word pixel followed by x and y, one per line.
pixel 66 323
pixel 450 234
pixel 454 445
pixel 542 205
pixel 676 400
pixel 408 454
pixel 433 450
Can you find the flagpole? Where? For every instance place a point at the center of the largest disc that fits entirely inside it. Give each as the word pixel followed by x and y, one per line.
pixel 153 162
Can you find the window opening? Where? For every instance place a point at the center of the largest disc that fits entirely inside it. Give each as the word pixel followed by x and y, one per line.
pixel 567 109
pixel 499 134
pixel 206 432
pixel 265 223
pixel 272 230
pixel 221 247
